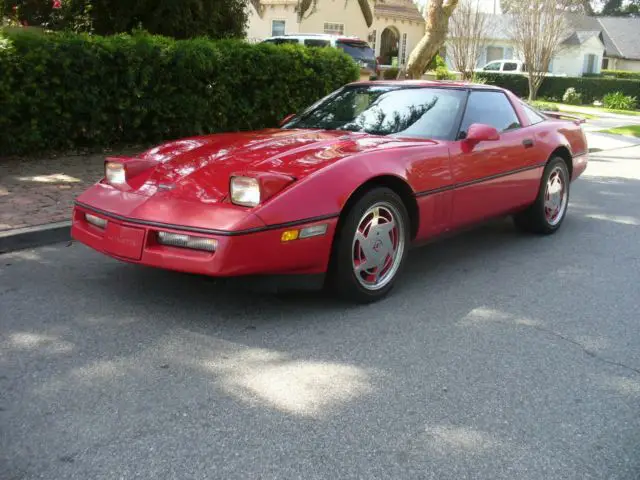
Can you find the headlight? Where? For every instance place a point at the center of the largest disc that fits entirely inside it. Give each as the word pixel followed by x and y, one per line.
pixel 115 173
pixel 245 191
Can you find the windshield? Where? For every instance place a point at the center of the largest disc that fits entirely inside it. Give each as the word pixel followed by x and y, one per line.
pixel 420 112
pixel 357 50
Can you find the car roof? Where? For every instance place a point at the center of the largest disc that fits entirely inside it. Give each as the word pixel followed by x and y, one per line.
pixel 430 83
pixel 326 36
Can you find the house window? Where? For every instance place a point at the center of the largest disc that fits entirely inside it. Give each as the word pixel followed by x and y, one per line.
pixel 495 53
pixel 589 65
pixel 605 64
pixel 277 27
pixel 334 28
pixel 404 48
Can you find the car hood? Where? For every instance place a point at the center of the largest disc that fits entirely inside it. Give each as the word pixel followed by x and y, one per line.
pixel 199 168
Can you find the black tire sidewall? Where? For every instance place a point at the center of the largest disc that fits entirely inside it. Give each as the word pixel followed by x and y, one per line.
pixel 343 277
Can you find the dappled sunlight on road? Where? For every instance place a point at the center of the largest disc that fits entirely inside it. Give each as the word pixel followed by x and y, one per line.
pixel 625 220
pixel 448 439
pixel 485 315
pixel 299 387
pixel 47 344
pixel 622 385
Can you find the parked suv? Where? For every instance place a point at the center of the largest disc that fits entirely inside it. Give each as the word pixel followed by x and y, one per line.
pixel 356 48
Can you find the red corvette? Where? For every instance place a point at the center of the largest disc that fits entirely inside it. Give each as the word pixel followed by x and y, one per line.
pixel 339 192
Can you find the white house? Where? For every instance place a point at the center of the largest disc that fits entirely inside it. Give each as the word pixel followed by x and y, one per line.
pixel 581 51
pixel 392 27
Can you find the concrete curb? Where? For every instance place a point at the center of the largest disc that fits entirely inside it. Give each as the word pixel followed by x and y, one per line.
pixel 37 236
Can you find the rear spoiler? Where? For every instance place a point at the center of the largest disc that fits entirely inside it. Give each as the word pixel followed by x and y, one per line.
pixel 560 116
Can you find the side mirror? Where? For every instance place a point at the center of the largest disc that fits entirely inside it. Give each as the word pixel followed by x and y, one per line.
pixel 287 118
pixel 479 132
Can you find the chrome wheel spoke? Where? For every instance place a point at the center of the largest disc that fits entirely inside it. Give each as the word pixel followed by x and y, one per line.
pixel 555 199
pixel 378 246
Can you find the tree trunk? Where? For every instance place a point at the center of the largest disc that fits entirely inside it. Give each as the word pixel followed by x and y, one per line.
pixel 437 23
pixel 533 91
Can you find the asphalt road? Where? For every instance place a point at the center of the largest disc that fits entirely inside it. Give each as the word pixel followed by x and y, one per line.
pixel 499 356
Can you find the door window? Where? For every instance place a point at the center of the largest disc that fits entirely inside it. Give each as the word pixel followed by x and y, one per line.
pixel 493 66
pixel 490 108
pixel 510 67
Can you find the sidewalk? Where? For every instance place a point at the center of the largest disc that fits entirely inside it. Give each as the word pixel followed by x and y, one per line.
pixel 37 191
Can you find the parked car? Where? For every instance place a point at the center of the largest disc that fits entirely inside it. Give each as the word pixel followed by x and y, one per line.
pixel 356 48
pixel 511 66
pixel 339 192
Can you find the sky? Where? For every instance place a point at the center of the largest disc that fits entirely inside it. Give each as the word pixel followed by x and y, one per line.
pixel 485 5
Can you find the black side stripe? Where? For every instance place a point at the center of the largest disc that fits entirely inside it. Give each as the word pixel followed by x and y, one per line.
pixel 478 180
pixel 208 231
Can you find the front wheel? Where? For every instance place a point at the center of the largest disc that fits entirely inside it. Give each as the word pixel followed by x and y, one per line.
pixel 547 213
pixel 370 247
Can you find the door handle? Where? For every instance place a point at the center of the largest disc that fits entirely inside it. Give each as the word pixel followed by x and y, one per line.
pixel 527 142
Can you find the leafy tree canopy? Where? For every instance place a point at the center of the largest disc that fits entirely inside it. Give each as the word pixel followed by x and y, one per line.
pixel 174 18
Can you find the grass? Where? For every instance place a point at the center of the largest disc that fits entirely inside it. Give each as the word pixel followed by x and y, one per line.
pixel 591 110
pixel 627 131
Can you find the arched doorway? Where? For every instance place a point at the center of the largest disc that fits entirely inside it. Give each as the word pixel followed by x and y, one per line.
pixel 389 45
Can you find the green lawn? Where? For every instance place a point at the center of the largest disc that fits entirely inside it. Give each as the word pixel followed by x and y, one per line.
pixel 629 131
pixel 593 111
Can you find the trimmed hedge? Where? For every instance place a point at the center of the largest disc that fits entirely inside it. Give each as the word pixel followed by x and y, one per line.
pixel 65 91
pixel 621 74
pixel 589 88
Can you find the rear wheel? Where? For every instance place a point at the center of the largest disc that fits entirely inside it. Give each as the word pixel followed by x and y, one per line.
pixel 547 213
pixel 370 247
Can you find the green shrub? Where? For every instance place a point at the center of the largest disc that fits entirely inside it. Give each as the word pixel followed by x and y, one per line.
pixel 544 106
pixel 619 101
pixel 621 74
pixel 390 73
pixel 66 91
pixel 554 87
pixel 572 97
pixel 442 73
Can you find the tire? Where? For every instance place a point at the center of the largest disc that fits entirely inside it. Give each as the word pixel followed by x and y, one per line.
pixel 366 261
pixel 545 216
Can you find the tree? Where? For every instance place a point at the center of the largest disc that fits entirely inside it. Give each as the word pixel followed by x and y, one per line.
pixel 573 6
pixel 173 18
pixel 615 8
pixel 538 28
pixel 437 26
pixel 468 29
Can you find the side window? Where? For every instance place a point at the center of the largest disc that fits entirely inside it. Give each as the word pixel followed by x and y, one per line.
pixel 533 116
pixel 492 67
pixel 490 108
pixel 313 42
pixel 510 67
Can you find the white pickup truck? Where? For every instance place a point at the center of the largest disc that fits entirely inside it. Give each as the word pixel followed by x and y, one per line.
pixel 510 66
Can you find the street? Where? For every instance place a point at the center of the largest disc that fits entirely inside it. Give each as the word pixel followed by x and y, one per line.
pixel 498 356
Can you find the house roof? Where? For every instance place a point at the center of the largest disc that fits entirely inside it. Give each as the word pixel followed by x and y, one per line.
pixel 624 34
pixel 400 9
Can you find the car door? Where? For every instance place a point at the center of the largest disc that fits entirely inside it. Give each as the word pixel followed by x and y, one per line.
pixel 491 177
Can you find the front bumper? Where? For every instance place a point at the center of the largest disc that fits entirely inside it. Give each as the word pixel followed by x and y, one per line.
pixel 258 252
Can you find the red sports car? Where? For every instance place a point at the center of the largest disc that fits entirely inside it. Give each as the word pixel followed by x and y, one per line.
pixel 338 193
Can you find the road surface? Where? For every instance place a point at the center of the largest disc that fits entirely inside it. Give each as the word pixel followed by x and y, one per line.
pixel 498 356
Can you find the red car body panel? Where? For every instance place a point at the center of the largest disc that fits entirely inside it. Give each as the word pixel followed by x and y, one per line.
pixel 313 175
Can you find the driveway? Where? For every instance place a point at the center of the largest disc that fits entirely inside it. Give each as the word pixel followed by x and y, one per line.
pixel 499 356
